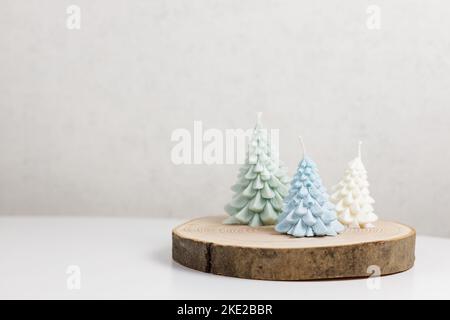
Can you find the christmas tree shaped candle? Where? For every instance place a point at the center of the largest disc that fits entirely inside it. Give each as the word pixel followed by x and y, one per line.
pixel 352 197
pixel 308 211
pixel 261 186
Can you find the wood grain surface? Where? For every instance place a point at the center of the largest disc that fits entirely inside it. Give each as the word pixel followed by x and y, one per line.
pixel 207 245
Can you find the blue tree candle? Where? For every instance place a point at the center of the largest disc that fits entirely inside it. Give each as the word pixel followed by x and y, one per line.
pixel 307 210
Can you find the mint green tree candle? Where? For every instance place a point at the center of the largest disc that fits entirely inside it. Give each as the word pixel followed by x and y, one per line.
pixel 262 184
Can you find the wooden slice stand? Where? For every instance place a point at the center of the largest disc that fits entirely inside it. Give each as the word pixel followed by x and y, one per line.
pixel 207 245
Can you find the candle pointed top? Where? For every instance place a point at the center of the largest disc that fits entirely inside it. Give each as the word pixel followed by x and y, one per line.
pixel 302 143
pixel 359 148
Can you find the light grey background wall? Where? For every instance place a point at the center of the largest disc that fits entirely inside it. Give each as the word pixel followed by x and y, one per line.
pixel 86 116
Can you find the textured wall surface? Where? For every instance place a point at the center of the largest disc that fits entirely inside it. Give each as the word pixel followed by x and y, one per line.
pixel 86 116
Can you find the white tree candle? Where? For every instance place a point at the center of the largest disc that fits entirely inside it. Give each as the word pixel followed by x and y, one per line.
pixel 351 195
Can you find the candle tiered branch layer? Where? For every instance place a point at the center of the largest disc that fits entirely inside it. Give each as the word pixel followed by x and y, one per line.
pixel 261 186
pixel 308 211
pixel 351 196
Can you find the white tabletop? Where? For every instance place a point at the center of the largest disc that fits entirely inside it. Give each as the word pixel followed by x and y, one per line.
pixel 131 259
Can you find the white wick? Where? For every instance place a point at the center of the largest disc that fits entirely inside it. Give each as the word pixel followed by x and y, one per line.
pixel 359 149
pixel 303 145
pixel 259 116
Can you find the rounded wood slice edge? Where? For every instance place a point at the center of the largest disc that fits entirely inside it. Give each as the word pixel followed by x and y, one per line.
pixel 356 260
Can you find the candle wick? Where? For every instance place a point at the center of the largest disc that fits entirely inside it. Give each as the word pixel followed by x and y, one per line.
pixel 259 116
pixel 359 149
pixel 303 145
